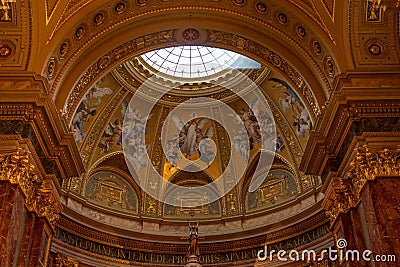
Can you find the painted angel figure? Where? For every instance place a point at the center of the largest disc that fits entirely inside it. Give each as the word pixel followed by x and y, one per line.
pixel 191 133
pixel 250 122
pixel 279 144
pixel 301 119
pixel 206 155
pixel 113 132
pixel 81 116
pixel 241 144
pixel 97 92
pixel 290 100
pixel 302 123
pixel 134 123
pixel 172 153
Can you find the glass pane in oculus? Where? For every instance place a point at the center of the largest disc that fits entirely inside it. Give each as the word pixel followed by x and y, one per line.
pixel 196 61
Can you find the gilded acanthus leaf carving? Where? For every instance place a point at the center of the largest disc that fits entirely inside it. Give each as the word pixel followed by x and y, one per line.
pixel 366 166
pixel 16 167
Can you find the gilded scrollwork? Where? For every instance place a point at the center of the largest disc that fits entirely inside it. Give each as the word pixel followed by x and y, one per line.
pixel 73 184
pixel 346 192
pixel 17 168
pixel 65 261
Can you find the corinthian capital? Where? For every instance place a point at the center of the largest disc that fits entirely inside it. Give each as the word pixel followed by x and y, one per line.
pixel 367 165
pixel 17 168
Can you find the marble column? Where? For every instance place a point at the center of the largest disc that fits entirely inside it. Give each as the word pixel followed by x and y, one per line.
pixel 364 206
pixel 28 210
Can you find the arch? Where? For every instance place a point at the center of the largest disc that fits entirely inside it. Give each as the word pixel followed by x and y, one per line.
pixel 279 187
pixel 106 188
pixel 188 202
pixel 279 162
pixel 90 61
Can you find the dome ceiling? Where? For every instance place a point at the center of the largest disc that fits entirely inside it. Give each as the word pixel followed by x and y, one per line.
pixel 98 129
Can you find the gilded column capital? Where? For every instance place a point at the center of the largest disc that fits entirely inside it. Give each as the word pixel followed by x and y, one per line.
pixel 65 261
pixel 345 193
pixel 17 168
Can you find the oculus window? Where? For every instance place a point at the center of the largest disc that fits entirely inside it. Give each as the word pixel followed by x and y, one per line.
pixel 196 61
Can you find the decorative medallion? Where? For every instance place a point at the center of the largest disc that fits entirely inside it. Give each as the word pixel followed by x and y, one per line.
pixel 120 8
pixel 64 49
pixel 375 49
pixel 142 2
pixel 190 35
pixel 239 2
pixel 5 51
pixel 80 32
pixel 51 67
pixel 301 32
pixel 282 18
pixel 98 18
pixel 276 60
pixel 317 48
pixel 103 62
pixel 261 7
pixel 330 67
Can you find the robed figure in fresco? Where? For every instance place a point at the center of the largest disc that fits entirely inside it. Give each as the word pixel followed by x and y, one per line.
pixel 194 240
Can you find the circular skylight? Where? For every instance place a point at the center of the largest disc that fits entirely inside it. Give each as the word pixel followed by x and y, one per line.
pixel 191 61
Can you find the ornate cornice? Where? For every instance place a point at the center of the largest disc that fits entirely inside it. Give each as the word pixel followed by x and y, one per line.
pixel 38 122
pixel 360 104
pixel 367 165
pixel 16 167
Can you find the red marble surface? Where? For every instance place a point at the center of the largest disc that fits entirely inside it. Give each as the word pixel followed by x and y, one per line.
pixel 375 223
pixel 21 232
pixel 9 204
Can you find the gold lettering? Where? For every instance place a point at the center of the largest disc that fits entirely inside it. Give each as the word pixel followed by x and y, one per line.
pixel 159 258
pixel 174 258
pixel 71 239
pixel 106 250
pixel 201 258
pixel 121 253
pixel 244 254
